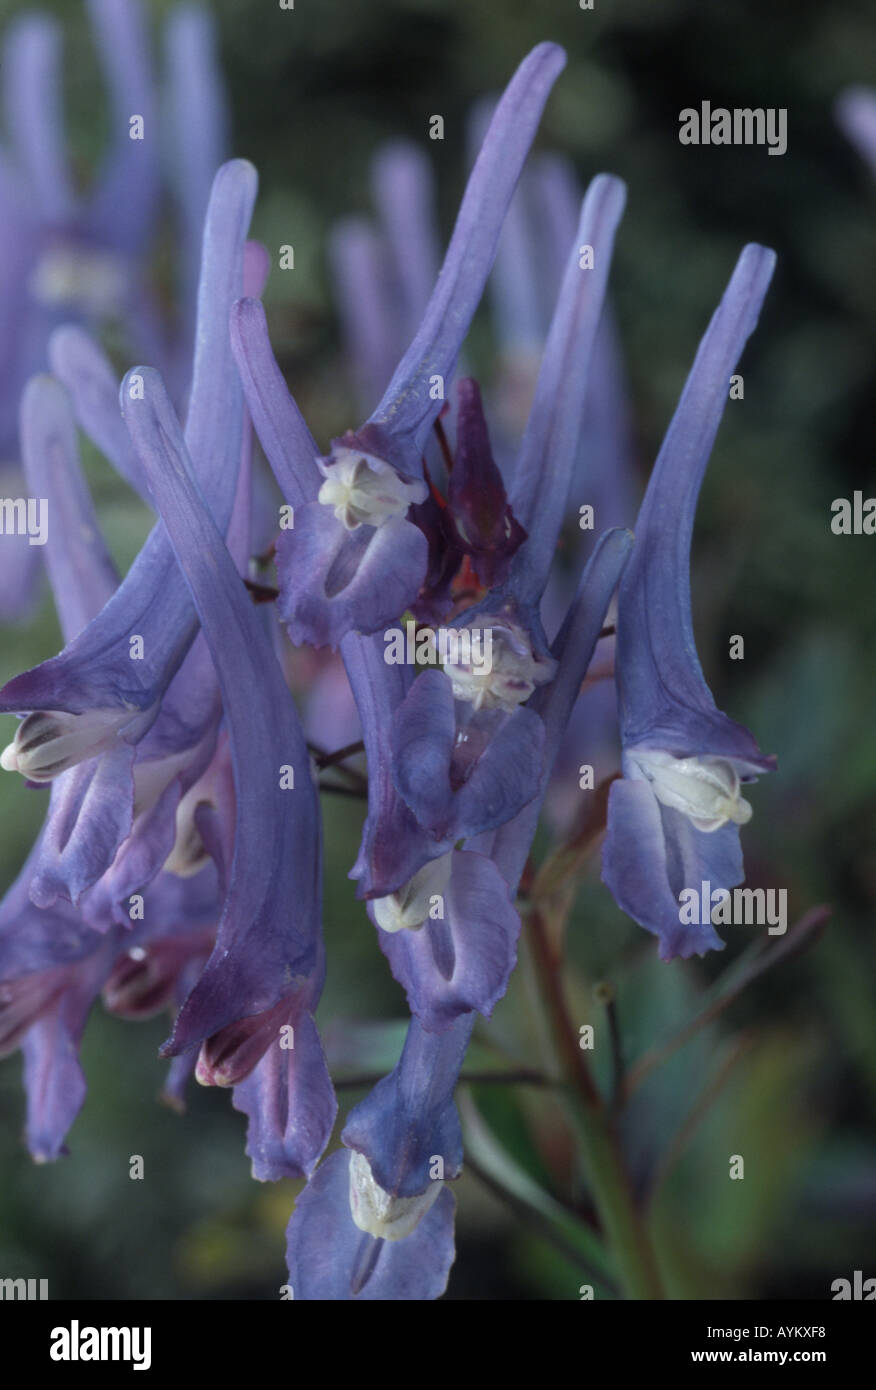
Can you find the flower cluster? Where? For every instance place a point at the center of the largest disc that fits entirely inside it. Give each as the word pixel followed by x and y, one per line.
pixel 180 861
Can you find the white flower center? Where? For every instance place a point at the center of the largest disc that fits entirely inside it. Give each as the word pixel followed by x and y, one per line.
pixel 408 908
pixel 48 742
pixel 365 490
pixel 704 789
pixel 509 677
pixel 74 277
pixel 378 1212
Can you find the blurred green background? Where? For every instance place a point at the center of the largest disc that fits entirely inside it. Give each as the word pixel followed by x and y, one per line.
pixel 789 1072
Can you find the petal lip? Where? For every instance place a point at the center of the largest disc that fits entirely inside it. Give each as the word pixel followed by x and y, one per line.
pixel 641 866
pixel 483 926
pixel 409 1117
pixel 504 778
pixel 333 581
pixel 394 846
pixel 324 1246
pixel 290 1103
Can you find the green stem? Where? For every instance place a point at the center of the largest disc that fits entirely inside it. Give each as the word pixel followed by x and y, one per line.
pixel 619 1215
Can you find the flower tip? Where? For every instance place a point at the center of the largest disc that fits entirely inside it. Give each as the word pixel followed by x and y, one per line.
pixel 174 1103
pixel 755 248
pixel 757 260
pixel 610 185
pixel 237 170
pixel 549 52
pixel 8 759
pixel 623 537
pixel 247 317
pixel 237 180
pixel 207 1075
pixel 138 384
pixel 61 339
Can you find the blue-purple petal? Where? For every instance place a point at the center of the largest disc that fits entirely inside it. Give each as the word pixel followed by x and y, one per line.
pixel 651 853
pixel 464 961
pixel 333 581
pixel 325 1248
pixel 290 1103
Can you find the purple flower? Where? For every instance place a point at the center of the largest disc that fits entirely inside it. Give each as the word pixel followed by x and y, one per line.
pixel 375 1221
pixel 131 676
pixel 251 1008
pixel 66 257
pixel 73 257
pixel 353 561
pixel 53 964
pixel 467 745
pixel 673 821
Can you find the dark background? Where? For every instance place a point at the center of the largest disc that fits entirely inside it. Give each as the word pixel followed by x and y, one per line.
pixel 790 1071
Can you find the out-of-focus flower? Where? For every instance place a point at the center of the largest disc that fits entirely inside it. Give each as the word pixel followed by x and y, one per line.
pixel 74 258
pixel 856 114
pixel 674 818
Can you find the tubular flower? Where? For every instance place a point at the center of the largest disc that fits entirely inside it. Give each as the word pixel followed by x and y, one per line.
pixel 467 746
pixel 126 674
pixel 265 973
pixel 353 561
pixel 375 1221
pixel 53 964
pixel 674 818
pixel 454 731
